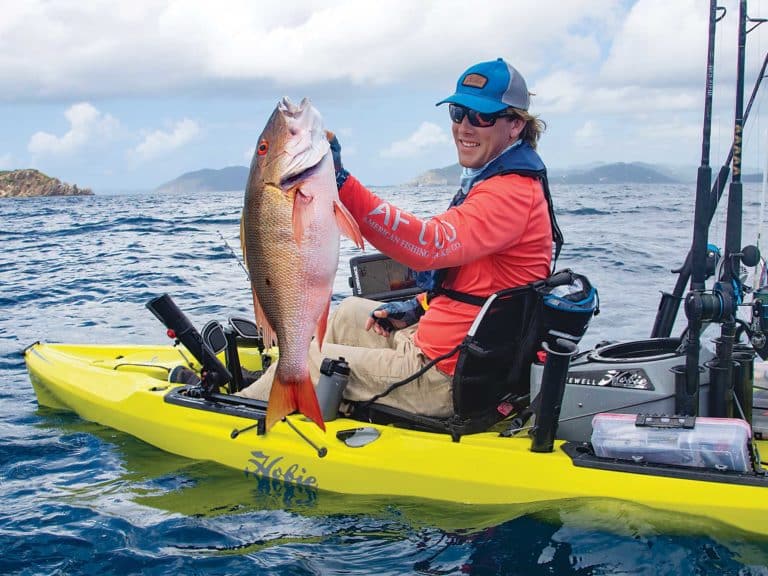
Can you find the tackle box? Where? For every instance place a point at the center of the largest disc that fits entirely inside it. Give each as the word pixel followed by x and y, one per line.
pixel 715 443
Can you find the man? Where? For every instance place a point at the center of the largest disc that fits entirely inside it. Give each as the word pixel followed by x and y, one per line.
pixel 496 234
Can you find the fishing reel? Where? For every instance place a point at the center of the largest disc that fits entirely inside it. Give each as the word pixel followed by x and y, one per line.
pixel 720 304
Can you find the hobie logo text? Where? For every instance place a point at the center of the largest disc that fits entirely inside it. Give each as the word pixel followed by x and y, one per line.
pixel 268 466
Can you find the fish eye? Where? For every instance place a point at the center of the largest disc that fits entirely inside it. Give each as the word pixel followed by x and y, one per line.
pixel 262 148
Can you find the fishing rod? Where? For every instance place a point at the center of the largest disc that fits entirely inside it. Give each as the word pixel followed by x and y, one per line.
pixel 670 302
pixel 687 388
pixel 719 304
pixel 728 288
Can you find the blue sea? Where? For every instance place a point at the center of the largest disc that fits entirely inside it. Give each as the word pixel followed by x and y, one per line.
pixel 78 498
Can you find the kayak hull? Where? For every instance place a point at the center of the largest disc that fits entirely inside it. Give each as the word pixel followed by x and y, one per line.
pixel 126 388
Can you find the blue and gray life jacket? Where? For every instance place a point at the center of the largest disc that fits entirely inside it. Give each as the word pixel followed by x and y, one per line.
pixel 519 159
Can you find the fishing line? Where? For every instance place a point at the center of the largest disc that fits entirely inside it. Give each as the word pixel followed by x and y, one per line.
pixel 235 256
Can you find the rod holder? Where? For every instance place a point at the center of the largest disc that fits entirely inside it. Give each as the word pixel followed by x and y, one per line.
pixel 686 404
pixel 720 389
pixel 551 394
pixel 215 374
pixel 744 378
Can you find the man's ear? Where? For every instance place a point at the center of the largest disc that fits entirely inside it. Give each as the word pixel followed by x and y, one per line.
pixel 516 127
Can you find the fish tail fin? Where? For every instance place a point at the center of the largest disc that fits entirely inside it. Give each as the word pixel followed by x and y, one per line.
pixel 307 401
pixel 287 397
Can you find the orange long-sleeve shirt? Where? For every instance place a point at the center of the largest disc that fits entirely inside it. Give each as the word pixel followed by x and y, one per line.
pixel 499 237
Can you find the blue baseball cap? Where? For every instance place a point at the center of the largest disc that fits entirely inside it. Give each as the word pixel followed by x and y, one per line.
pixel 490 87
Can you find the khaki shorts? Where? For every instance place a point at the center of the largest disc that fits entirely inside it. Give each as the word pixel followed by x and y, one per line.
pixel 375 362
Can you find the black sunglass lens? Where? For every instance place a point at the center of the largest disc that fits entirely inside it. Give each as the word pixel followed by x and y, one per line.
pixel 485 119
pixel 476 119
pixel 457 113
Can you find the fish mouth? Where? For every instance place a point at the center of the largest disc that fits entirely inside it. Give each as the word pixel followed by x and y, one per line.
pixel 291 180
pixel 306 144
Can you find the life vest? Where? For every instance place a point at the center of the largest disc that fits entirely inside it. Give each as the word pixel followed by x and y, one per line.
pixel 519 159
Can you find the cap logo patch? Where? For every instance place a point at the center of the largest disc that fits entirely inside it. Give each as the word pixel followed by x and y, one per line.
pixel 474 80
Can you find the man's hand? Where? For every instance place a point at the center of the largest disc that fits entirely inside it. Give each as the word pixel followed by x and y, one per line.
pixel 338 167
pixel 394 316
pixel 381 324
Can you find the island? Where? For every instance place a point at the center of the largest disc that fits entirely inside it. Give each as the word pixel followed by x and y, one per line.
pixel 613 173
pixel 30 183
pixel 208 180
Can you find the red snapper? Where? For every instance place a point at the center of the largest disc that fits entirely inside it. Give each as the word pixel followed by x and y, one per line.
pixel 292 219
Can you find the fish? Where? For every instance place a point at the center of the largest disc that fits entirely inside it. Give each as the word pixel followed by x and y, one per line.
pixel 290 234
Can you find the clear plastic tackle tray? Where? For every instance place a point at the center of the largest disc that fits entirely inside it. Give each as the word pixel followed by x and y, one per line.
pixel 716 443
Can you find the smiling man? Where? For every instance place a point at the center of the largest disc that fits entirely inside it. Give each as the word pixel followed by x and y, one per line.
pixel 497 233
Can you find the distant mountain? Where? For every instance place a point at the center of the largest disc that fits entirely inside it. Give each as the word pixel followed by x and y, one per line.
pixel 618 173
pixel 235 177
pixel 615 173
pixel 438 177
pixel 208 180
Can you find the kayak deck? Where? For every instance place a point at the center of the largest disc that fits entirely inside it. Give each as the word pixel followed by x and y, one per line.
pixel 126 388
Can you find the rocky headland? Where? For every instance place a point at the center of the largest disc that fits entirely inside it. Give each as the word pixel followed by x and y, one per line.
pixel 30 183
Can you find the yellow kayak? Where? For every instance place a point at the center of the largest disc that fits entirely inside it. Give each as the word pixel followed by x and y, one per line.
pixel 126 388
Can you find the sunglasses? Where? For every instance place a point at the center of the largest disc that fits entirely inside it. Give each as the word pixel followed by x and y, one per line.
pixel 477 119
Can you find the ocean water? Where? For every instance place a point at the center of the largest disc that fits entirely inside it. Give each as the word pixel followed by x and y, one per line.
pixel 78 498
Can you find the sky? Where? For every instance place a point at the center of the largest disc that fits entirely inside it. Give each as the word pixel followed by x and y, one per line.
pixel 120 96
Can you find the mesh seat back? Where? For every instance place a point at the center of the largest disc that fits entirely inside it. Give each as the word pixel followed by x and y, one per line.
pixel 496 361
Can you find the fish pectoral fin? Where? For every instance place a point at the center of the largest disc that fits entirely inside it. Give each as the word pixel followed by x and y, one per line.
pixel 287 397
pixel 347 224
pixel 268 332
pixel 302 214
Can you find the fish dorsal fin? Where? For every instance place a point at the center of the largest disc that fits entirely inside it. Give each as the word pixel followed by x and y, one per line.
pixel 302 214
pixel 347 224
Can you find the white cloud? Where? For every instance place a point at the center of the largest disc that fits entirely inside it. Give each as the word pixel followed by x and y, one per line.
pixel 426 136
pixel 664 43
pixel 57 49
pixel 566 92
pixel 159 142
pixel 87 125
pixel 6 161
pixel 91 49
pixel 588 135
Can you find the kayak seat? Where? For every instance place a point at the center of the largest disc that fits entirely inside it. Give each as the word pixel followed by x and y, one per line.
pixel 492 374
